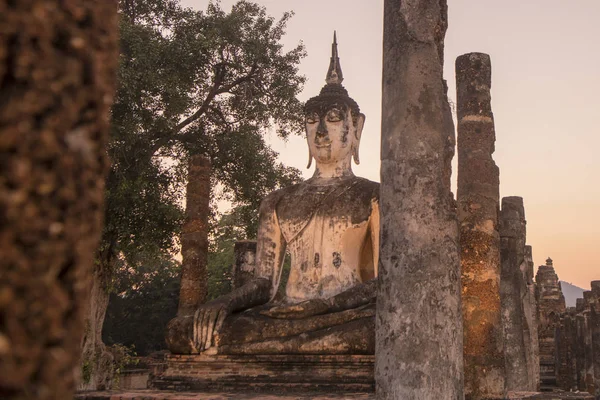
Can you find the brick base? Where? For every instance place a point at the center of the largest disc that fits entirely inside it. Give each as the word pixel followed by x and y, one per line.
pixel 288 373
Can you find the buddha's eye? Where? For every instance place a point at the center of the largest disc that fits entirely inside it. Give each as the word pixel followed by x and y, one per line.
pixel 312 118
pixel 335 115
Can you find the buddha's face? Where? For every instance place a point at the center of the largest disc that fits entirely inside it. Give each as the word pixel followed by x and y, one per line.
pixel 332 135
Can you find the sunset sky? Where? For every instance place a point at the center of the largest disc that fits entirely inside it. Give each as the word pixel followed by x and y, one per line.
pixel 545 98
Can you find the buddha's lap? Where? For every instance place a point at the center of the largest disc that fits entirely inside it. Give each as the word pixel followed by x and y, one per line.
pixel 251 326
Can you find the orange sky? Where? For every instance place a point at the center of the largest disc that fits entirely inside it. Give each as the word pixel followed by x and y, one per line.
pixel 545 98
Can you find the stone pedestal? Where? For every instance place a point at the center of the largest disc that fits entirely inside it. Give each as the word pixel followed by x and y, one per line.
pixel 279 373
pixel 478 202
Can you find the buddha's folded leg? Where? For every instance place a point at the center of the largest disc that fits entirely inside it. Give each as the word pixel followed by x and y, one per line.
pixel 252 327
pixel 354 337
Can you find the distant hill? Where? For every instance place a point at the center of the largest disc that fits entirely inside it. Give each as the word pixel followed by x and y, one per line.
pixel 571 292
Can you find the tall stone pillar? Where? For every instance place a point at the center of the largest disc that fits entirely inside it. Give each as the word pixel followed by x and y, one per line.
pixel 551 305
pixel 244 268
pixel 512 237
pixel 419 353
pixel 580 326
pixel 572 349
pixel 530 309
pixel 478 202
pixel 595 328
pixel 194 236
pixel 590 386
pixel 565 341
pixel 58 63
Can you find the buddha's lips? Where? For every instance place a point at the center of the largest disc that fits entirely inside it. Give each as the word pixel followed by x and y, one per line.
pixel 320 146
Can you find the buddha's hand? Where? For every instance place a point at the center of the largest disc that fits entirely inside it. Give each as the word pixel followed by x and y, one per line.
pixel 208 321
pixel 305 309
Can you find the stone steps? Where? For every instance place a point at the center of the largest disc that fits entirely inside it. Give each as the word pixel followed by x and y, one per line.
pixel 167 395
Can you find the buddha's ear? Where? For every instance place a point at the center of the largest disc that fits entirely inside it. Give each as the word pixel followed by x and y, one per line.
pixel 360 123
pixel 310 157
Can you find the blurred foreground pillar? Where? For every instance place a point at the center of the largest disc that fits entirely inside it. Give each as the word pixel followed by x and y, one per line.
pixel 57 77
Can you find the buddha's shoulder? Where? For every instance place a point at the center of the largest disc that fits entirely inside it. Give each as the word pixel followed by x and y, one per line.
pixel 363 185
pixel 355 188
pixel 359 191
pixel 272 199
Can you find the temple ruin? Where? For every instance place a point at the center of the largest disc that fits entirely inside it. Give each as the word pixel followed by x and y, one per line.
pixel 569 337
pixel 431 298
pixel 519 336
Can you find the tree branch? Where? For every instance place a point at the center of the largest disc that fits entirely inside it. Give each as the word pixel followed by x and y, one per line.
pixel 216 89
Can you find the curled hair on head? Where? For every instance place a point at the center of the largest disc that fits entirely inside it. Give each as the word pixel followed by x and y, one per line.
pixel 332 94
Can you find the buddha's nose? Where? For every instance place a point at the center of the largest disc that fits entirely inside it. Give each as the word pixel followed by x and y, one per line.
pixel 322 129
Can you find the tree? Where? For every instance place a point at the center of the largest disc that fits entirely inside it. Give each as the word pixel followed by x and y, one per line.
pixel 190 82
pixel 141 304
pixel 144 299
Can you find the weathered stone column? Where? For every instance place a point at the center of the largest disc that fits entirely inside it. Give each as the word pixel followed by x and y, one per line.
pixel 595 325
pixel 58 64
pixel 551 305
pixel 572 349
pixel 590 386
pixel 580 326
pixel 244 267
pixel 478 203
pixel 532 345
pixel 419 353
pixel 194 236
pixel 512 237
pixel 565 340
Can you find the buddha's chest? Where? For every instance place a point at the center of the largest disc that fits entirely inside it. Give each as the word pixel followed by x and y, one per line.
pixel 322 212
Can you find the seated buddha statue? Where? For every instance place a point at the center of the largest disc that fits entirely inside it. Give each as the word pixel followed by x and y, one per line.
pixel 329 224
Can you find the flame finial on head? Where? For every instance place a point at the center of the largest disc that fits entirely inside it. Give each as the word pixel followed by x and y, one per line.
pixel 334 74
pixel 333 93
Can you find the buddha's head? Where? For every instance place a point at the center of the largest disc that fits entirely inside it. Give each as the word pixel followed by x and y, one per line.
pixel 334 123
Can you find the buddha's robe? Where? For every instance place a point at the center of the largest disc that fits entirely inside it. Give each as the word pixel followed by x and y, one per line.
pixel 331 233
